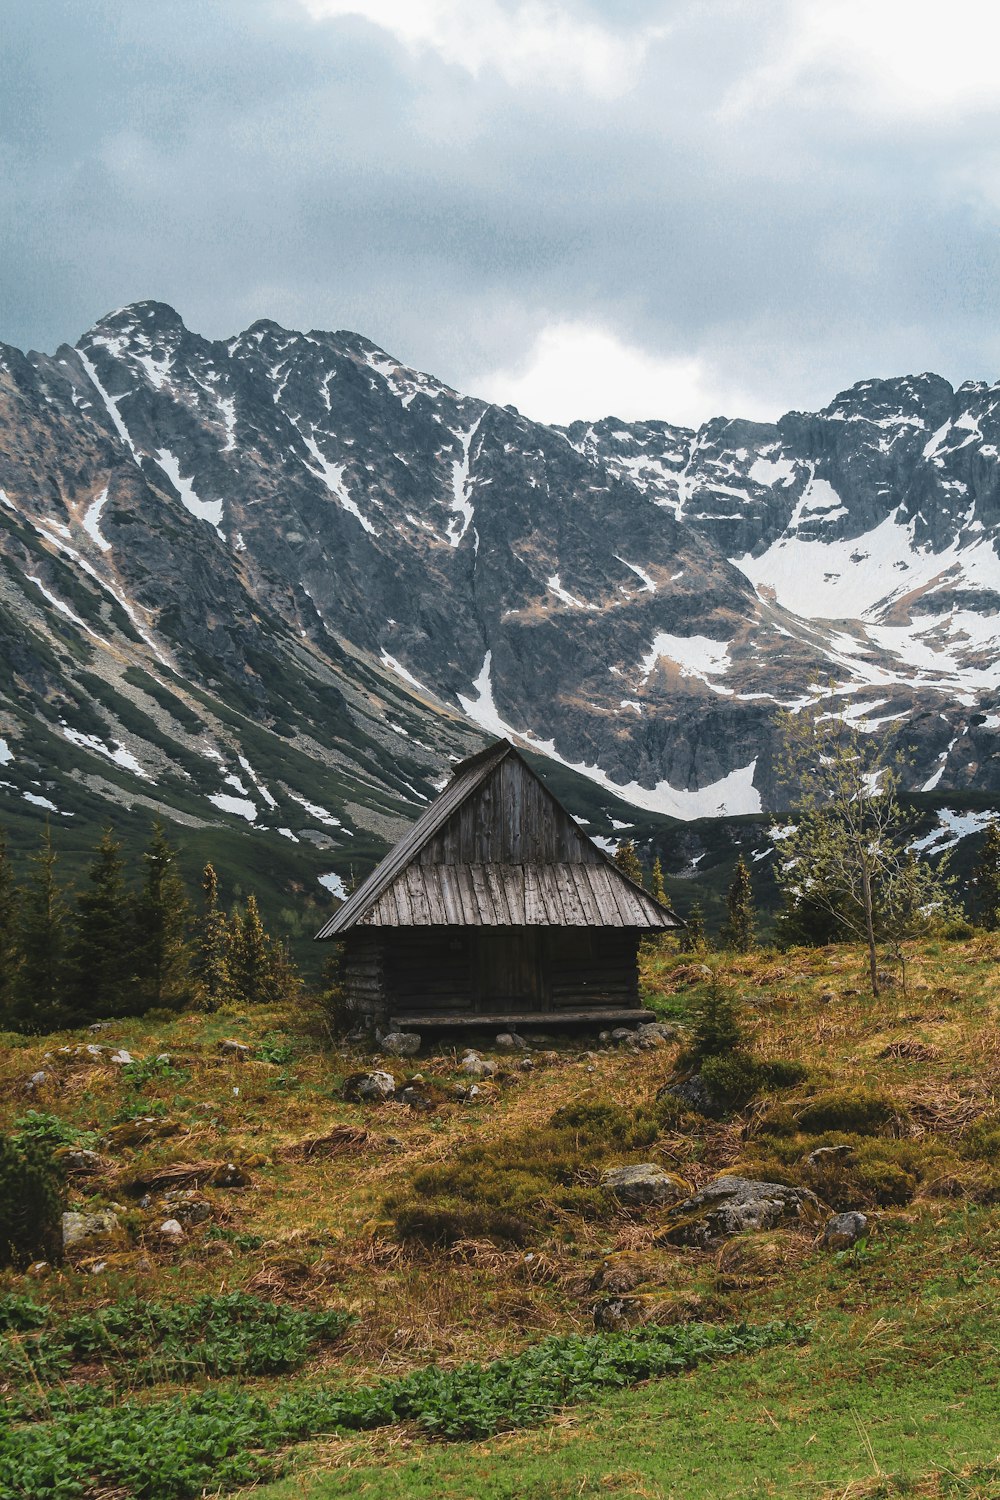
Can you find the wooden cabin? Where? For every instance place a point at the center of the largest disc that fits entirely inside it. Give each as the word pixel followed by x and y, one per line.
pixel 495 910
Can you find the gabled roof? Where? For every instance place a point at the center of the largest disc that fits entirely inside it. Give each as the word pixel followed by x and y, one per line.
pixel 399 893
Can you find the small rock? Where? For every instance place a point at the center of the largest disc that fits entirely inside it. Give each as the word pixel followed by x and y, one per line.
pixel 36 1080
pixel 656 1033
pixel 231 1048
pixel 604 1038
pixel 80 1229
pixel 826 997
pixel 95 1051
pixel 121 1057
pixel 172 1231
pixel 616 1313
pixel 375 1087
pixel 644 1184
pixel 96 1026
pixel 731 1205
pixel 76 1159
pixel 623 1034
pixel 526 1064
pixel 163 1057
pixel 509 1041
pixel 695 1093
pixel 187 1206
pixel 844 1230
pixel 400 1043
pixel 824 1156
pixel 38 1269
pixel 97 1267
pixel 476 1066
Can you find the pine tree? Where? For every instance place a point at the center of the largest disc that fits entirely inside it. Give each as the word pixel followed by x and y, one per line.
pixel 717 1028
pixel 163 957
pixel 102 969
pixel 211 967
pixel 694 939
pixel 627 860
pixel 738 930
pixel 40 1002
pixel 10 954
pixel 657 889
pixel 986 880
pixel 251 963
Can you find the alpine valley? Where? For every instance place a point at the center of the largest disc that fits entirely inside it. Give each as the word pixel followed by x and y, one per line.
pixel 269 587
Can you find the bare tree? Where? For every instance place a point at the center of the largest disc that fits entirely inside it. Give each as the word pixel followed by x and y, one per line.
pixel 846 847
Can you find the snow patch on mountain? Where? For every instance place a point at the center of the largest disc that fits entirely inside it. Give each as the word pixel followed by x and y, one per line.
pixel 732 795
pixel 92 518
pixel 202 510
pixel 115 752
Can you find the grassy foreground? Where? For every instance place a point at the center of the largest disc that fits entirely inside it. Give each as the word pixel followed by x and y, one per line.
pixel 308 1289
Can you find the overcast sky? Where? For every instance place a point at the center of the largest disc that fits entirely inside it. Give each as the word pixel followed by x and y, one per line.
pixel 663 208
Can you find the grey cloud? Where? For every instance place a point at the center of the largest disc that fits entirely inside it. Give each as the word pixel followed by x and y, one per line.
pixel 239 160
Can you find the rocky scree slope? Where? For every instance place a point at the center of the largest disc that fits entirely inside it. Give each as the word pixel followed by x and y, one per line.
pixel 278 581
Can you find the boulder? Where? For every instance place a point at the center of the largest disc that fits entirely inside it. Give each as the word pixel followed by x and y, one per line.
pixel 400 1043
pixel 375 1087
pixel 36 1081
pixel 642 1185
pixel 732 1205
pixel 844 1230
pixel 87 1229
pixel 171 1231
pixel 121 1058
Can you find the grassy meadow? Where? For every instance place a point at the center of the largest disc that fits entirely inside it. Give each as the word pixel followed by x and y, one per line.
pixel 398 1299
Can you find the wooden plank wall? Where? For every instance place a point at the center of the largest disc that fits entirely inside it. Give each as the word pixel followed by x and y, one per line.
pixel 456 971
pixel 510 820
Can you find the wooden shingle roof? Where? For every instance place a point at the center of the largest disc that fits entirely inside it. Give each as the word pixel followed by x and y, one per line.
pixel 424 881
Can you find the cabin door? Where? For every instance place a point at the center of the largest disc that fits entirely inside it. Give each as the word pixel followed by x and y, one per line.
pixel 509 969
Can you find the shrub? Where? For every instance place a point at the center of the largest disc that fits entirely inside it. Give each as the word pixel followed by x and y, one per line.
pixel 31 1203
pixel 507 1190
pixel 854 1111
pixel 735 1079
pixel 716 1023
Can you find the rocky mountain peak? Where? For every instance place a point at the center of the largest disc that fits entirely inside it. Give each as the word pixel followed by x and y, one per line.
pixel 295 536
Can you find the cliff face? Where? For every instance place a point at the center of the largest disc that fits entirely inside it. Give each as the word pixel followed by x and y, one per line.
pixel 289 549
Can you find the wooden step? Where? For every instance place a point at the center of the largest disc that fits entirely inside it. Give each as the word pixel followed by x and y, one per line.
pixel 512 1019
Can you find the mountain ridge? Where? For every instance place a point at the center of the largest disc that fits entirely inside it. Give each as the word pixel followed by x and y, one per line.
pixel 291 548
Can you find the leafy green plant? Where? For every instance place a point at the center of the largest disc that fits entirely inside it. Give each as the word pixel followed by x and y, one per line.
pixel 219 1439
pixel 150 1341
pixel 49 1131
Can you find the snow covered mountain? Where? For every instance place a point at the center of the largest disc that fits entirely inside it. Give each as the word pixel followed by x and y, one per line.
pixel 277 581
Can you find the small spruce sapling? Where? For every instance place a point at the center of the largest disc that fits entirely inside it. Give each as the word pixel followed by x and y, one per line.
pixel 40 992
pixel 739 929
pixel 627 860
pixel 10 953
pixel 986 880
pixel 212 954
pixel 694 939
pixel 102 969
pixel 163 954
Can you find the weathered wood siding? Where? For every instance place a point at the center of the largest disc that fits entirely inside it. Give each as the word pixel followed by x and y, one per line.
pixel 362 974
pixel 511 819
pixel 466 971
